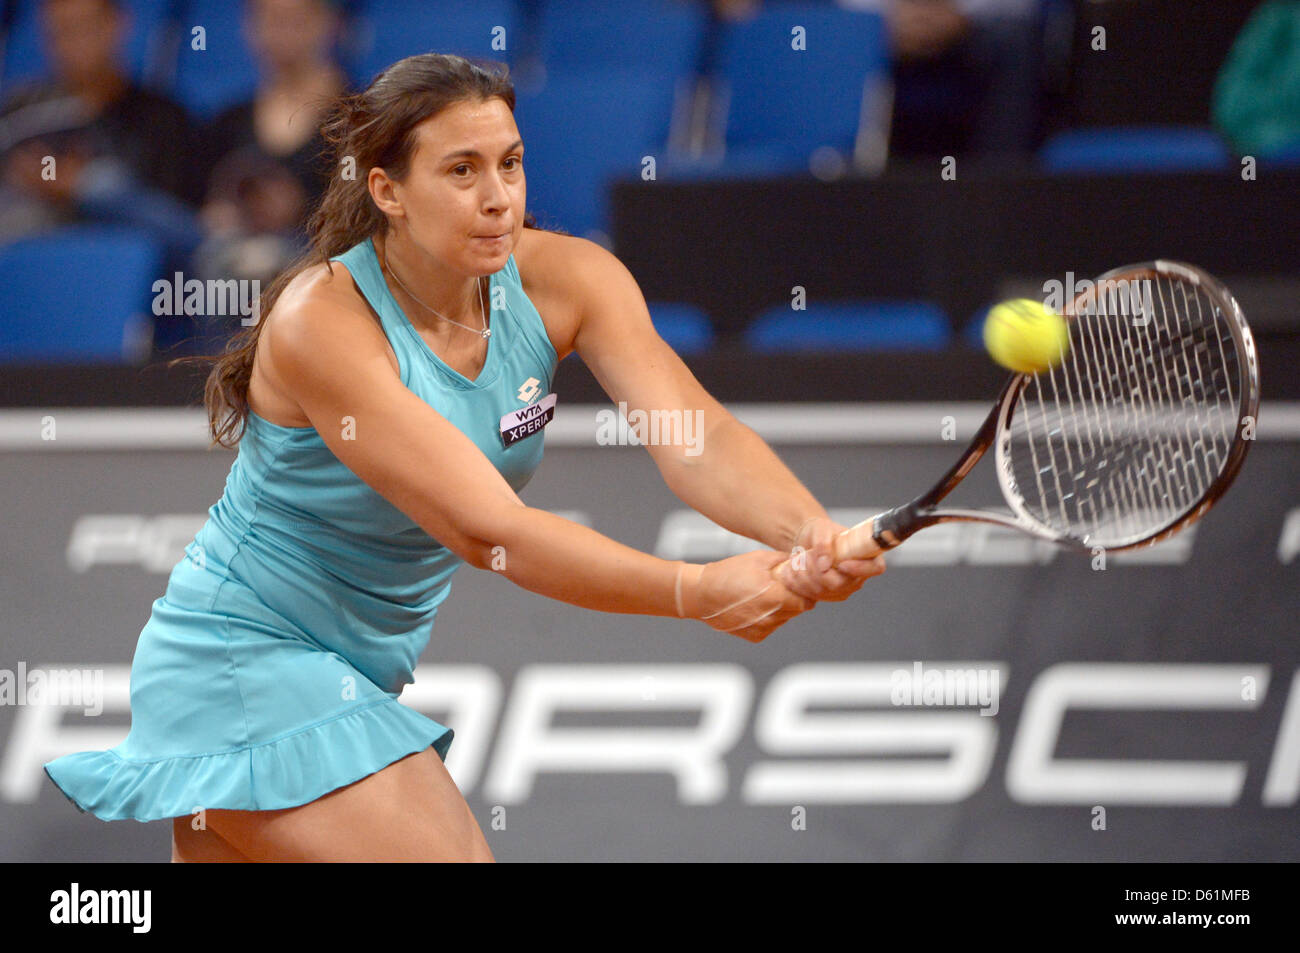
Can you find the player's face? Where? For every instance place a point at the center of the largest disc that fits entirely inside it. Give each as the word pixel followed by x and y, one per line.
pixel 463 197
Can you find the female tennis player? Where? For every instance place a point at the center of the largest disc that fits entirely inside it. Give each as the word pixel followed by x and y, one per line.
pixel 387 408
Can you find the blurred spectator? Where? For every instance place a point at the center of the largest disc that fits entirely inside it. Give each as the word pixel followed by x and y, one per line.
pixel 266 168
pixel 84 145
pixel 1256 102
pixel 293 42
pixel 257 202
pixel 734 9
pixel 967 75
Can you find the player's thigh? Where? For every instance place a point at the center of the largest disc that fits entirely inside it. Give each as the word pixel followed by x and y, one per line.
pixel 201 846
pixel 409 811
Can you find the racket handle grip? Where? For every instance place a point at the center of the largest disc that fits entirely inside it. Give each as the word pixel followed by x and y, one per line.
pixel 867 539
pixel 873 536
pixel 858 542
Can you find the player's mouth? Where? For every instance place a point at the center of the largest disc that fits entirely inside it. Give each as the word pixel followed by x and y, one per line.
pixel 492 239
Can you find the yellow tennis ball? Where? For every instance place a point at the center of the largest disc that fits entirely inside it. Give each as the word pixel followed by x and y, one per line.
pixel 1026 336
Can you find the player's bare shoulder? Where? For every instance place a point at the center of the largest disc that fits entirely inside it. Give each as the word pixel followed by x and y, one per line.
pixel 323 299
pixel 559 274
pixel 318 302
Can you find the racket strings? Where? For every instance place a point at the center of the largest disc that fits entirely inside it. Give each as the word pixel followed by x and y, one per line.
pixel 1130 430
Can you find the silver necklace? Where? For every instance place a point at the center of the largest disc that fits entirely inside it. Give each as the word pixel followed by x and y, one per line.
pixel 484 334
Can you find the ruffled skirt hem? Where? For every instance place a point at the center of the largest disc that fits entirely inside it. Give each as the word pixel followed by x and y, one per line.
pixel 287 772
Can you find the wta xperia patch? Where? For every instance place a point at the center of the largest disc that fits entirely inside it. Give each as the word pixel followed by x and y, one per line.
pixel 526 421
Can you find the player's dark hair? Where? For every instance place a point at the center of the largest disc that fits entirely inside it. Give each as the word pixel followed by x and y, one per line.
pixel 374 128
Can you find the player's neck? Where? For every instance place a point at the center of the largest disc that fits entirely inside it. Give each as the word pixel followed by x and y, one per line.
pixel 422 283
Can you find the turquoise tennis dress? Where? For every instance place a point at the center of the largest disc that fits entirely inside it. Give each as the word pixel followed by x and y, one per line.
pixel 268 672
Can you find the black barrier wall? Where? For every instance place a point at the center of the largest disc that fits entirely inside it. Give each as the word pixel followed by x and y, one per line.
pixel 736 247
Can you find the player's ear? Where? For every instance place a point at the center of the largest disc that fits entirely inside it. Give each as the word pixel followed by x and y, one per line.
pixel 384 192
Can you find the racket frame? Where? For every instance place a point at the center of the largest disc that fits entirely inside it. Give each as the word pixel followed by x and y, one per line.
pixel 892 527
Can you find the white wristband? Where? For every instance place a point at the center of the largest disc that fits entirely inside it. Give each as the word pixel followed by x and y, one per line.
pixel 740 602
pixel 753 621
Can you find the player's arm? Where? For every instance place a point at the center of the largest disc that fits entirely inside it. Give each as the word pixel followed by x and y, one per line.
pixel 332 361
pixel 725 471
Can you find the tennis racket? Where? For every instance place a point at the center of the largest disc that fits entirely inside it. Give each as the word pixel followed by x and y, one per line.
pixel 1133 436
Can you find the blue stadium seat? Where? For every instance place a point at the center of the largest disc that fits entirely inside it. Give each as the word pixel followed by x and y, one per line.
pixel 685 327
pixel 224 73
pixel 396 29
pixel 576 35
pixel 659 43
pixel 756 162
pixel 580 132
pixel 850 326
pixel 78 294
pixel 24 55
pixel 784 104
pixel 1135 149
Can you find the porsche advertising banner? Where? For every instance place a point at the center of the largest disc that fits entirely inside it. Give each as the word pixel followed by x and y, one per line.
pixel 989 697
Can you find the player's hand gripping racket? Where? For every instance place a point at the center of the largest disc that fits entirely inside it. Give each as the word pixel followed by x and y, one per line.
pixel 1134 435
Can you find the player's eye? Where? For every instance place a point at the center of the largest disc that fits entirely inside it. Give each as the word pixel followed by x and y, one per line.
pixel 457 169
